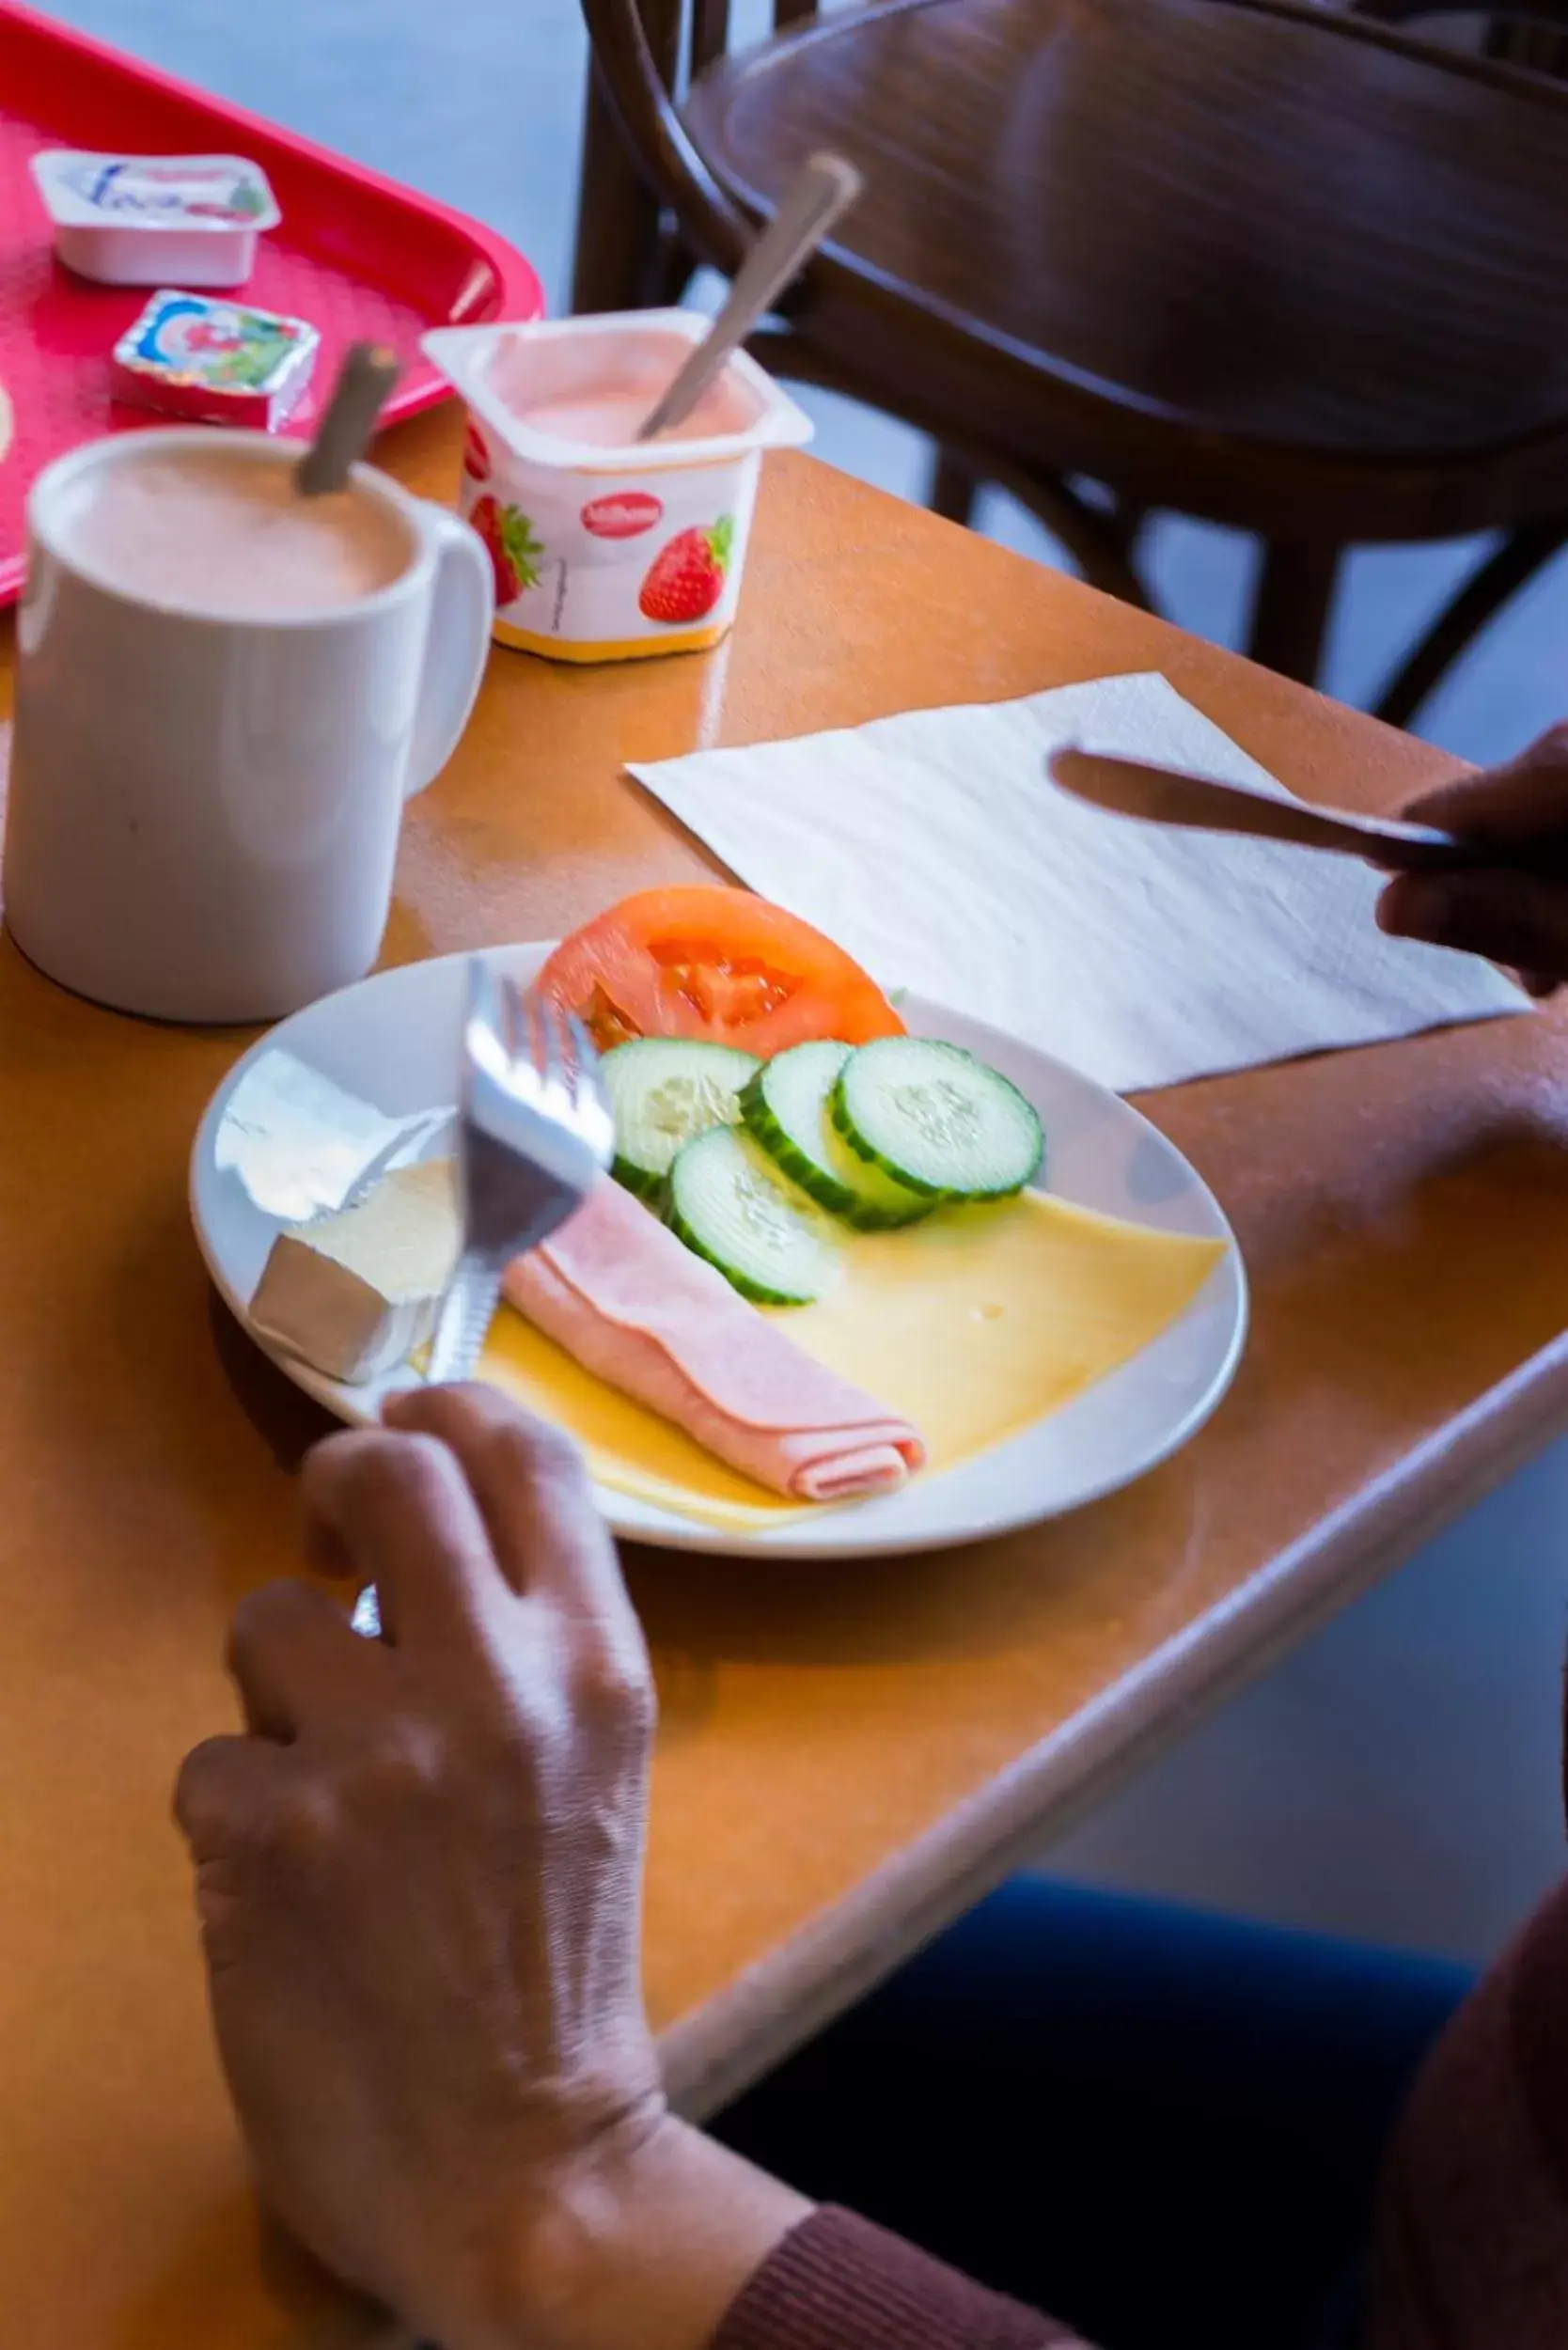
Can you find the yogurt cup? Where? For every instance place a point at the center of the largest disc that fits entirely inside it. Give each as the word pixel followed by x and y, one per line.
pixel 155 220
pixel 605 548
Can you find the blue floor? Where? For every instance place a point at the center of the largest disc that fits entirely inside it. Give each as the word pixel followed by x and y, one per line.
pixel 1397 1776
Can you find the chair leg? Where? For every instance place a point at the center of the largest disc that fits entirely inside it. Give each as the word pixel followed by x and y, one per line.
pixel 621 254
pixel 1092 537
pixel 675 269
pixel 1533 45
pixel 1290 608
pixel 1127 518
pixel 1504 571
pixel 954 487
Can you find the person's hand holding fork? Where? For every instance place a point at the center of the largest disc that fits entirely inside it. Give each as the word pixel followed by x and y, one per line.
pixel 419 1876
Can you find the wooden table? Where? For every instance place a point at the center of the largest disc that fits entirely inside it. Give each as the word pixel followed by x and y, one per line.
pixel 846 1757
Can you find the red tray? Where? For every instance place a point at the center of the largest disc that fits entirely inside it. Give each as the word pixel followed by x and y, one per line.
pixel 356 255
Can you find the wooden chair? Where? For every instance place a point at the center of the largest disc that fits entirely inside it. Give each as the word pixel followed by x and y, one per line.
pixel 1531 33
pixel 1249 260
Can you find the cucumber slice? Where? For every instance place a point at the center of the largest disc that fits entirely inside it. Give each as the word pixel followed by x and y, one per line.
pixel 937 1120
pixel 786 1107
pixel 662 1091
pixel 728 1204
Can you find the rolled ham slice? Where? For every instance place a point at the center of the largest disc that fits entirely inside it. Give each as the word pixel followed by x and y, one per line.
pixel 622 1296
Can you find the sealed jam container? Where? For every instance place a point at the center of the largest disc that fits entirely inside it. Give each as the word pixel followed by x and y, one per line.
pixel 155 220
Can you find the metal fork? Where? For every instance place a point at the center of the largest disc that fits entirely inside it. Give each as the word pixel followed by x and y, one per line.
pixel 534 1131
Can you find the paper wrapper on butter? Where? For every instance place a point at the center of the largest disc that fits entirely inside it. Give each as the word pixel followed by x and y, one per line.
pixel 602 553
pixel 355 1293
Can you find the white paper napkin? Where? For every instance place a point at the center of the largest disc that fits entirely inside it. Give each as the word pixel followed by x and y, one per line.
pixel 934 846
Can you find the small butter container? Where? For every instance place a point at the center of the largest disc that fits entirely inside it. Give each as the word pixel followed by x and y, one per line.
pixel 215 362
pixel 141 220
pixel 609 549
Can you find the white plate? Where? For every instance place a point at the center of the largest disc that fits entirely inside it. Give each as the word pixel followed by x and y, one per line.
pixel 392 1040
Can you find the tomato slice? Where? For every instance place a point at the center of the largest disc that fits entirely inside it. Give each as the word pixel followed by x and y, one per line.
pixel 716 963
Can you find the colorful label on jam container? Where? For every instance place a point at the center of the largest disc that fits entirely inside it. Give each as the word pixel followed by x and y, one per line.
pixel 222 191
pixel 217 192
pixel 222 345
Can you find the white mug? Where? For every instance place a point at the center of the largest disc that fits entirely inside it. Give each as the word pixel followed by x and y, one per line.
pixel 204 812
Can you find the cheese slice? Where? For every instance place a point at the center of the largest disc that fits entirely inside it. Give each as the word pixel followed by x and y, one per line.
pixel 974 1325
pixel 353 1294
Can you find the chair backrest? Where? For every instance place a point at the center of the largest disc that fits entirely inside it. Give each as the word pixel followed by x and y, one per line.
pixel 711 29
pixel 1529 35
pixel 643 60
pixel 650 200
pixel 647 53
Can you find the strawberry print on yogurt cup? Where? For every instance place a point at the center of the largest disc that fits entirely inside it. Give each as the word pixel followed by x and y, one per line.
pixel 605 548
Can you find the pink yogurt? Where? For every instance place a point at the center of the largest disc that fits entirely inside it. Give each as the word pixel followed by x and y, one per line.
pixel 593 388
pixel 609 418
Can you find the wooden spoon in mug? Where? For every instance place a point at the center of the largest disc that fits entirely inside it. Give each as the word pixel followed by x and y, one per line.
pixel 365 380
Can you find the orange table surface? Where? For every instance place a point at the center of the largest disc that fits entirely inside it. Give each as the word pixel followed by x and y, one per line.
pixel 848 1754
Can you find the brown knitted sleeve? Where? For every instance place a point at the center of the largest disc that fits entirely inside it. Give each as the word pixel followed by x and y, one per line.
pixel 837 2283
pixel 1472 2245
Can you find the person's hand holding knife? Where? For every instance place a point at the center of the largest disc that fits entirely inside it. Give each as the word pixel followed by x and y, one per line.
pixel 1515 911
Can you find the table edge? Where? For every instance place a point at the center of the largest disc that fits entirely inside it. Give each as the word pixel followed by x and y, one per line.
pixel 716 2050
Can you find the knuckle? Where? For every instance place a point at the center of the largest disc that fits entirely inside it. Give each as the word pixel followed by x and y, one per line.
pixel 228 1800
pixel 458 1405
pixel 613 1688
pixel 535 1715
pixel 203 1803
pixel 464 1406
pixel 407 1764
pixel 334 1459
pixel 361 1462
pixel 302 1827
pixel 264 1618
pixel 539 1455
pixel 390 1478
pixel 419 1472
pixel 411 1760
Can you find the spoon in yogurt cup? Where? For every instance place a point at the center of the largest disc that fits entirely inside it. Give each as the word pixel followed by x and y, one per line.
pixel 826 187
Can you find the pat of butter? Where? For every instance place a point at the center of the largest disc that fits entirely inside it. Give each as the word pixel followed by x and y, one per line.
pixel 353 1294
